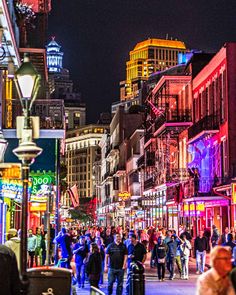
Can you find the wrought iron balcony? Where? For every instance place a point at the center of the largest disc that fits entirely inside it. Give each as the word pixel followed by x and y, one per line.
pixel 50 111
pixel 211 122
pixel 149 183
pixel 177 116
pixel 140 161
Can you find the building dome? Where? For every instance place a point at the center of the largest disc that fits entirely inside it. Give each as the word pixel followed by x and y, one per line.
pixel 54 56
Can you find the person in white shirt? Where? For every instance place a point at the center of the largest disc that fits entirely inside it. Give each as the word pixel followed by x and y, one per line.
pixel 185 248
pixel 216 280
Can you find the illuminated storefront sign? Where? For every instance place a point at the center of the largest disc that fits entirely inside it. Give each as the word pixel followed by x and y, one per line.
pixel 41 187
pixel 35 207
pixel 193 209
pixel 123 196
pixel 12 189
pixel 234 193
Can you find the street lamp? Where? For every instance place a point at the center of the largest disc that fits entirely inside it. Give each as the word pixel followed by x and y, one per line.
pixel 27 85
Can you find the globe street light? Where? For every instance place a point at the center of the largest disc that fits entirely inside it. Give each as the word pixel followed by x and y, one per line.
pixel 27 85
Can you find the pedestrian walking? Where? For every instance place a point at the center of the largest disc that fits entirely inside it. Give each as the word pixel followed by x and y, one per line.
pixel 64 240
pixel 215 236
pixel 216 280
pixel 229 242
pixel 94 265
pixel 159 255
pixel 39 247
pixel 80 251
pixel 9 274
pixel 13 243
pixel 31 246
pixel 171 254
pixel 136 253
pixel 178 255
pixel 101 248
pixel 185 253
pixel 200 247
pixel 116 256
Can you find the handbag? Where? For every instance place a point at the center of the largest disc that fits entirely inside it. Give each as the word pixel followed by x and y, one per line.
pixel 161 260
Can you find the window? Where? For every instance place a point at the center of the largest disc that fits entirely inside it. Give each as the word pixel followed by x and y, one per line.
pixel 151 53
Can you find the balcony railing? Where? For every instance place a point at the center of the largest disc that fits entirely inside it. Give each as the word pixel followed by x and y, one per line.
pixel 140 161
pixel 50 111
pixel 149 183
pixel 211 122
pixel 206 185
pixel 173 117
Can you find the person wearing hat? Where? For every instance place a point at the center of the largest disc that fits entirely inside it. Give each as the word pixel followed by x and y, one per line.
pixel 13 242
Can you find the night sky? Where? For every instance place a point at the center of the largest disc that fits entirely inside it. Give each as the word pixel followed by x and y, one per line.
pixel 97 35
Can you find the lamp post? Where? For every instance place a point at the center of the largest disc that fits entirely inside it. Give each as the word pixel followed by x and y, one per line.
pixel 27 85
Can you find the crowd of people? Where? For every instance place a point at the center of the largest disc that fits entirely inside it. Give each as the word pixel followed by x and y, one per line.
pixel 97 250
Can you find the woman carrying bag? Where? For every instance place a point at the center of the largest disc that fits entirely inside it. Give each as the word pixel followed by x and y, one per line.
pixel 159 256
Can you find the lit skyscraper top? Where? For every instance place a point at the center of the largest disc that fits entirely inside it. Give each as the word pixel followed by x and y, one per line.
pixel 54 57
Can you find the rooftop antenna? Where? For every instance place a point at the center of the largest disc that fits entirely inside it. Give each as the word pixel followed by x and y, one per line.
pixel 167 35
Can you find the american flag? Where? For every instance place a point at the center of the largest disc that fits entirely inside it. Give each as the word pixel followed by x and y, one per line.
pixel 74 196
pixel 156 111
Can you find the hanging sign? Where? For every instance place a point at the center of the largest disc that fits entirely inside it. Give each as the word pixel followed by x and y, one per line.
pixel 123 196
pixel 41 187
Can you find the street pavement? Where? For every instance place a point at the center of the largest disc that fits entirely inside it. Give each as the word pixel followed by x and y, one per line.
pixel 153 286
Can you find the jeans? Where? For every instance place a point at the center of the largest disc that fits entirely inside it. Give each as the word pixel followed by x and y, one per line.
pixel 80 273
pixel 113 275
pixel 185 260
pixel 128 281
pixel 171 266
pixel 201 259
pixel 161 267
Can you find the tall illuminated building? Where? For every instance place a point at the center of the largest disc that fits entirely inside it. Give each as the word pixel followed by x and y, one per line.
pixel 61 86
pixel 148 57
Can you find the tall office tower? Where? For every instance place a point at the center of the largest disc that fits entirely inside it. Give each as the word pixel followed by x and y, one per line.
pixel 148 57
pixel 41 9
pixel 61 86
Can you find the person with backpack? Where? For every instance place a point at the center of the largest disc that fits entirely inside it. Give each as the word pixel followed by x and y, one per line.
pixel 159 256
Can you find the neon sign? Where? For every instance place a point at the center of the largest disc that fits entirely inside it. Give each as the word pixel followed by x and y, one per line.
pixel 41 187
pixel 12 189
pixel 123 196
pixel 193 209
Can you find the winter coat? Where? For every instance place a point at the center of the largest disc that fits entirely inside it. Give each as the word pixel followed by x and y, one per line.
pixel 14 245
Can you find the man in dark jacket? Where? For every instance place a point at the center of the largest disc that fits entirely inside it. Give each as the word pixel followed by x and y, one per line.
pixel 9 275
pixel 171 254
pixel 200 247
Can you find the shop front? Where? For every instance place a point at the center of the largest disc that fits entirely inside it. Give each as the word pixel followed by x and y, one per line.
pixel 201 213
pixel 42 199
